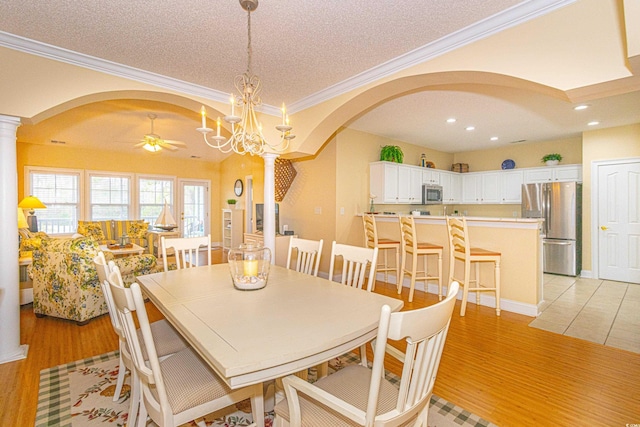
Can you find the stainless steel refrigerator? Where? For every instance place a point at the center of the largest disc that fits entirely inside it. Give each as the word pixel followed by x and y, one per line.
pixel 560 205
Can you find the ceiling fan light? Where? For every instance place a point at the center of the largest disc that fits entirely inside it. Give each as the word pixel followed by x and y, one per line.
pixel 152 147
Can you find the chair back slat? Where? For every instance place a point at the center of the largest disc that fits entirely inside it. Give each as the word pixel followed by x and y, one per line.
pixel 355 261
pixel 186 250
pixel 370 231
pixel 408 234
pixel 307 255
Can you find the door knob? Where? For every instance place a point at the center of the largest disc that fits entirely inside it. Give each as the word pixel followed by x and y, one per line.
pixel 603 228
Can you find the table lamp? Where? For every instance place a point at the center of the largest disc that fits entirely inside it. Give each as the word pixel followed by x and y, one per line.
pixel 22 220
pixel 32 203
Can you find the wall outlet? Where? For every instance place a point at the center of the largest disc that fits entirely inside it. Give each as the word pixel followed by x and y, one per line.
pixel 317 210
pixel 341 211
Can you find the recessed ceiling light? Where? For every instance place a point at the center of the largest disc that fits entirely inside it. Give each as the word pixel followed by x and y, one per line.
pixel 451 120
pixel 494 138
pixel 593 123
pixel 470 128
pixel 581 107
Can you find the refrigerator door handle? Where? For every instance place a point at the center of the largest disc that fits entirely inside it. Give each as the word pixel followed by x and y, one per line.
pixel 551 242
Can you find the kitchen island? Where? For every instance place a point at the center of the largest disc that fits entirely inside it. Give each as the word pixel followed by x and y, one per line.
pixel 517 239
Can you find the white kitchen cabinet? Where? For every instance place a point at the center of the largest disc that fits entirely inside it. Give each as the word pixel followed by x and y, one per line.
pixel 511 186
pixel 451 187
pixel 430 176
pixel 553 173
pixel 395 183
pixel 480 187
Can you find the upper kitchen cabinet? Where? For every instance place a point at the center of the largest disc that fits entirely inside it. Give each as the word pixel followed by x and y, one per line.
pixel 395 183
pixel 451 187
pixel 480 187
pixel 431 176
pixel 511 186
pixel 553 173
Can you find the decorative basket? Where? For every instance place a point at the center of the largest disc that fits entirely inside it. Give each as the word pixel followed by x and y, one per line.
pixel 460 167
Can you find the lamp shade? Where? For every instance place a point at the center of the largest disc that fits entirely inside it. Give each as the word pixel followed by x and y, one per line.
pixel 31 202
pixel 22 220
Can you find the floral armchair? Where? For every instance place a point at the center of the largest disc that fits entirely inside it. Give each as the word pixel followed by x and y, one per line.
pixel 65 280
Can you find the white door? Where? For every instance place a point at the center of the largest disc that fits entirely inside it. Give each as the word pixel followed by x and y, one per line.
pixel 194 208
pixel 618 222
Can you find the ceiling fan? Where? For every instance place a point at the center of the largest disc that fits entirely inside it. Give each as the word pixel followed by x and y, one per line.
pixel 153 143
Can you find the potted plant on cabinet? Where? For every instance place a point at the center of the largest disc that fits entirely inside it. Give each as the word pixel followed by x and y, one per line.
pixel 391 153
pixel 551 159
pixel 232 203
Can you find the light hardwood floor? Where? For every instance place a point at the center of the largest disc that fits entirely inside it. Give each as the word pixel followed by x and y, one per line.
pixel 499 368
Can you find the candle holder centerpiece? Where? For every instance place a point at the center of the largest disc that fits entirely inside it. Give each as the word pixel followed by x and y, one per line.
pixel 249 266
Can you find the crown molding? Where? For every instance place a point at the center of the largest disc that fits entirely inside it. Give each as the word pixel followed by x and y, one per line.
pixel 56 53
pixel 492 25
pixel 506 19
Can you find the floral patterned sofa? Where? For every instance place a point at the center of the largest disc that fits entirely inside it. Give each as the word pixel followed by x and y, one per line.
pixel 110 231
pixel 65 280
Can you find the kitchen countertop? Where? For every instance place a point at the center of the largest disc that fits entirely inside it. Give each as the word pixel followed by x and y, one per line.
pixel 470 219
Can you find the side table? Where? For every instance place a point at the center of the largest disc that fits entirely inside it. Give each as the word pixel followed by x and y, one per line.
pixel 26 285
pixel 117 252
pixel 157 241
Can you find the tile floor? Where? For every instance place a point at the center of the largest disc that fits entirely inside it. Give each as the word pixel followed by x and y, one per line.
pixel 600 311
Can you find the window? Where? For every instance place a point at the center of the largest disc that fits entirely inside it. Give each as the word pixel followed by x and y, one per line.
pixel 152 193
pixel 109 197
pixel 60 191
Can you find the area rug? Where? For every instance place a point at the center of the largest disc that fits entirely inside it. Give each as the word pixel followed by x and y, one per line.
pixel 80 394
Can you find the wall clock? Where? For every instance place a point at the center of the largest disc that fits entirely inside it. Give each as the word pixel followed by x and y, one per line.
pixel 238 187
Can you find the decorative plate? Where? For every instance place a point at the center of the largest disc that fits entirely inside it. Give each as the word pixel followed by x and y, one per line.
pixel 430 165
pixel 508 164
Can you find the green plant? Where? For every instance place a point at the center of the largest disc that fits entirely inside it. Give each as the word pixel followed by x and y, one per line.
pixel 552 156
pixel 391 153
pixel 232 201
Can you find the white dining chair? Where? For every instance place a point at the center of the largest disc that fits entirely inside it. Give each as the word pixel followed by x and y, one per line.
pixel 180 388
pixel 186 250
pixel 362 396
pixel 355 262
pixel 169 341
pixel 306 255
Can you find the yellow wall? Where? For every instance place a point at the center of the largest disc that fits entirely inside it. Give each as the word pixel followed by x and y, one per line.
pixel 310 204
pixel 113 161
pixel 604 144
pixel 525 155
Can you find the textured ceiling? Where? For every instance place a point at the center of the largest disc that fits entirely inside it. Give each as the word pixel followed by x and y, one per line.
pixel 300 49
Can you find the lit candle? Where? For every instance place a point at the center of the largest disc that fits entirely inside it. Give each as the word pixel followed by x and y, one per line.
pixel 287 120
pixel 284 113
pixel 203 113
pixel 218 123
pixel 233 101
pixel 251 267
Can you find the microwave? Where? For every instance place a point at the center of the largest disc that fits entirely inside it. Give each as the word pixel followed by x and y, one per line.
pixel 431 194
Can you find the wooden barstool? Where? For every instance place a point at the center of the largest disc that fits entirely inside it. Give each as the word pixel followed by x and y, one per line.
pixel 371 240
pixel 411 246
pixel 460 249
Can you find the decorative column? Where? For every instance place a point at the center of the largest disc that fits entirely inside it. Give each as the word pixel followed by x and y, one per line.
pixel 10 348
pixel 269 220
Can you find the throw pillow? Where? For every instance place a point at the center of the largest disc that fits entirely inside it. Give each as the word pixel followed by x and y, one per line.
pixel 137 229
pixel 91 230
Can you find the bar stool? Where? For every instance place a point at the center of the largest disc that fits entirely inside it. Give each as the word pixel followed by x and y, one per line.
pixel 459 249
pixel 371 240
pixel 411 246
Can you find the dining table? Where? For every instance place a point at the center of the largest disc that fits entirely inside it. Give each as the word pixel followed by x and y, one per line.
pixel 297 321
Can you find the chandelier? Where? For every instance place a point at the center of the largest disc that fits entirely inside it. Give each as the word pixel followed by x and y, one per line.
pixel 246 130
